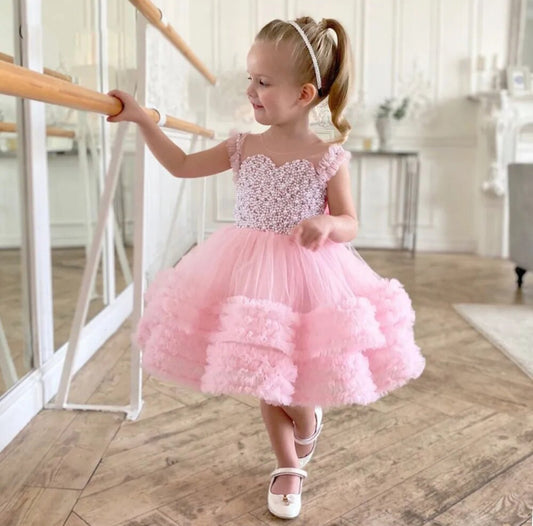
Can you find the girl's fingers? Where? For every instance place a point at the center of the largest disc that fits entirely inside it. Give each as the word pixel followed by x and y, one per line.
pixel 114 93
pixel 296 234
pixel 312 241
pixel 119 94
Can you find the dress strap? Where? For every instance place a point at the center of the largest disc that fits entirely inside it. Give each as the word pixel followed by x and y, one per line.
pixel 234 145
pixel 331 162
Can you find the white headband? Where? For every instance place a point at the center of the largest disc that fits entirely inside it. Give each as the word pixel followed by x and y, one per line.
pixel 312 53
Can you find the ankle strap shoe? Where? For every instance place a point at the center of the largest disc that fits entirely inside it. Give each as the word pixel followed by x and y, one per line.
pixel 302 461
pixel 286 506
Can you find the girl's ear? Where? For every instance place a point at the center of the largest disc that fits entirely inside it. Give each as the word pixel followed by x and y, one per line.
pixel 307 93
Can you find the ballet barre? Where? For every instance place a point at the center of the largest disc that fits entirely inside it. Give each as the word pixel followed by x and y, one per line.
pixel 21 82
pixel 47 71
pixel 51 131
pixel 155 16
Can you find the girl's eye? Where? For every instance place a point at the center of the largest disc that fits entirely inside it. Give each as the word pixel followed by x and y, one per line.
pixel 262 83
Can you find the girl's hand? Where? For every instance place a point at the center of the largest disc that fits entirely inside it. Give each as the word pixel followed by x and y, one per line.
pixel 131 111
pixel 313 232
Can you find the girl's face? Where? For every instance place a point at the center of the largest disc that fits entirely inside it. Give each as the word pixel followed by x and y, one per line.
pixel 273 89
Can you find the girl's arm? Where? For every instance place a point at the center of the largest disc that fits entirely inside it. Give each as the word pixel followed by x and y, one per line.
pixel 341 208
pixel 174 159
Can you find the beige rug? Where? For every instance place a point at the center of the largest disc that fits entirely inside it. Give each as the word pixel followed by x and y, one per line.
pixel 508 327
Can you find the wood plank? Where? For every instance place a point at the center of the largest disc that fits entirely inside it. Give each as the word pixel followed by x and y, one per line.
pixel 115 385
pixel 142 495
pixel 241 438
pixel 73 457
pixel 173 423
pixel 32 506
pixel 248 400
pixel 184 395
pixel 375 429
pixel 155 518
pixel 447 405
pixel 224 500
pixel 490 505
pixel 28 448
pixel 87 381
pixel 481 354
pixel 75 520
pixel 155 403
pixel 425 491
pixel 246 520
pixel 473 389
pixel 339 522
pixel 388 403
pixel 501 370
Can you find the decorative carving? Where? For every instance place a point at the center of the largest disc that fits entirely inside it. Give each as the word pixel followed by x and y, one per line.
pixel 497 125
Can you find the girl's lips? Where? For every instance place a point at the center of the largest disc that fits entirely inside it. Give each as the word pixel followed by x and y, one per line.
pixel 257 106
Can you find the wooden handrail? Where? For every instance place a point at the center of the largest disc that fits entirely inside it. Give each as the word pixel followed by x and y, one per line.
pixel 46 71
pixel 21 82
pixel 154 15
pixel 52 131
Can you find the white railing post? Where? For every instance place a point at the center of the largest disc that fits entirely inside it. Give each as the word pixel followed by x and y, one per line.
pixel 91 267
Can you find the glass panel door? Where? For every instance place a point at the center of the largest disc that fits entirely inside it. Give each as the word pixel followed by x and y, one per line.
pixel 75 178
pixel 16 357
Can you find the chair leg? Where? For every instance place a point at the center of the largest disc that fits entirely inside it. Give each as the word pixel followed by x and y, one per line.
pixel 520 274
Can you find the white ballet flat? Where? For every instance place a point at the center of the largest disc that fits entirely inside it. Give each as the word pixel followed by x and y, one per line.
pixel 302 461
pixel 286 506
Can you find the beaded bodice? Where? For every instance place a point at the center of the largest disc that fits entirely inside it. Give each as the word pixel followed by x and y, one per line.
pixel 277 198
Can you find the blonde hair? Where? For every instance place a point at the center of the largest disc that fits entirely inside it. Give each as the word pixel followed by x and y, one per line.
pixel 334 61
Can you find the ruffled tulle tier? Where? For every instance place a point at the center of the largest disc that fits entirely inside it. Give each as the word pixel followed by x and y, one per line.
pixel 252 312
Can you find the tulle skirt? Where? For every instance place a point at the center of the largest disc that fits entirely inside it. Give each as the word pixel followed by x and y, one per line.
pixel 252 312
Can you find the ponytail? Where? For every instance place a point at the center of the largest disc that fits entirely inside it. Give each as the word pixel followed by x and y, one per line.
pixel 339 91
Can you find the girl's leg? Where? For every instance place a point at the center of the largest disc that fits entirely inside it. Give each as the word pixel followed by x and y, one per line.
pixel 281 433
pixel 304 425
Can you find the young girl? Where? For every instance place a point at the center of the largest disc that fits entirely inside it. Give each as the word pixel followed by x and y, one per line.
pixel 277 305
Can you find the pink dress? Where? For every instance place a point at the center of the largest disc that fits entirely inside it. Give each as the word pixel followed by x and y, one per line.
pixel 251 311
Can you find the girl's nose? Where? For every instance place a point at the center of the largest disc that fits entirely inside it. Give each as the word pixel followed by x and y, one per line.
pixel 250 92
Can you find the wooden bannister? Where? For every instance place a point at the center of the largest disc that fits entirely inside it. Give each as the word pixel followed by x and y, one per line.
pixel 154 15
pixel 21 82
pixel 51 131
pixel 46 71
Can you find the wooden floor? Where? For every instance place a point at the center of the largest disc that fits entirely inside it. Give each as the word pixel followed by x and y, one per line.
pixel 453 448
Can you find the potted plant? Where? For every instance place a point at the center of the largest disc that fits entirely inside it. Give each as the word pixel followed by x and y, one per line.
pixel 387 111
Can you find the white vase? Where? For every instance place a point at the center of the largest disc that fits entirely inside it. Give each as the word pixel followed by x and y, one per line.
pixel 384 128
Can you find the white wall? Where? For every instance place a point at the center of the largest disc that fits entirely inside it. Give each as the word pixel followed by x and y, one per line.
pixel 392 40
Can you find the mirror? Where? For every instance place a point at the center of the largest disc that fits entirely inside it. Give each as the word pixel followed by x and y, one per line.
pixel 16 357
pixel 122 56
pixel 74 182
pixel 76 145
